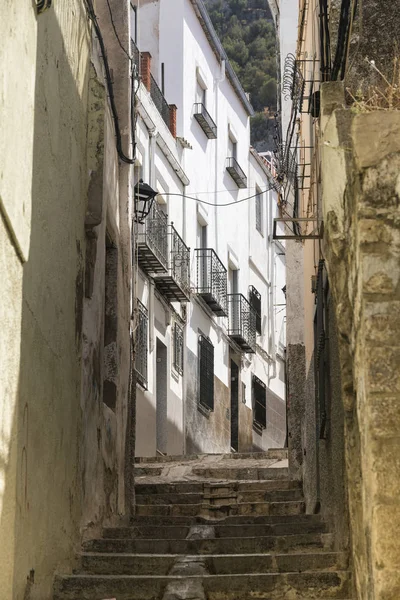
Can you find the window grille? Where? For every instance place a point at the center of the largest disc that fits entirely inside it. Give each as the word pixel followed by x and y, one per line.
pixel 178 348
pixel 206 372
pixel 141 344
pixel 259 402
pixel 255 303
pixel 259 214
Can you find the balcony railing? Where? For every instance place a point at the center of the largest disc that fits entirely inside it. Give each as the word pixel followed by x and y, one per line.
pixel 159 100
pixel 211 281
pixel 234 170
pixel 175 284
pixel 205 121
pixel 242 322
pixel 153 242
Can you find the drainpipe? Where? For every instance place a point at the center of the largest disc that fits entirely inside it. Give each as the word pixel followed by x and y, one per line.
pixel 272 349
pixel 217 82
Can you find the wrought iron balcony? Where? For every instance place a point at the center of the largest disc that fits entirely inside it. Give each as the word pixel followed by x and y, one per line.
pixel 212 281
pixel 234 170
pixel 242 322
pixel 175 283
pixel 205 121
pixel 159 100
pixel 153 242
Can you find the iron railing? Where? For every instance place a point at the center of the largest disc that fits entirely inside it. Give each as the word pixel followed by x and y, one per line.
pixel 236 172
pixel 205 121
pixel 141 344
pixel 180 260
pixel 153 241
pixel 211 280
pixel 242 322
pixel 206 372
pixel 159 100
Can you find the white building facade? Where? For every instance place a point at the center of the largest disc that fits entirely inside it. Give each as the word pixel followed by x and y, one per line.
pixel 210 321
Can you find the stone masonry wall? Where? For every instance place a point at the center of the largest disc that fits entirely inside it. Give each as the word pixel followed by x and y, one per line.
pixel 361 191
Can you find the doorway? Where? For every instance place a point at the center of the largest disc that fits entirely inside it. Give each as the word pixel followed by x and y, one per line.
pixel 161 397
pixel 234 406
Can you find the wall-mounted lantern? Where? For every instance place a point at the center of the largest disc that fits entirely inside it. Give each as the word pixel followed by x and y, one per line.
pixel 144 197
pixel 42 5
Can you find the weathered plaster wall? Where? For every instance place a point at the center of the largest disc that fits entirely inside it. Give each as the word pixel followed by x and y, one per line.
pixel 362 151
pixel 44 79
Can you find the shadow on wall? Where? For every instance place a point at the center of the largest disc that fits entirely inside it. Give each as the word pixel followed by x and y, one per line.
pixel 39 526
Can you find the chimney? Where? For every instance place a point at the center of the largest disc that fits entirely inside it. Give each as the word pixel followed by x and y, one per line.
pixel 172 119
pixel 145 72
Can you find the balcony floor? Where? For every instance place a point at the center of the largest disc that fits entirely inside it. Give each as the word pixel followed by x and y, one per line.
pixel 149 261
pixel 242 343
pixel 213 304
pixel 170 288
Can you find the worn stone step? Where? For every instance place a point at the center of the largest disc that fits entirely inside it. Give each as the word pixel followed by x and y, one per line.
pixel 225 520
pixel 243 473
pixel 273 453
pixel 219 495
pixel 221 545
pixel 199 487
pixel 161 564
pixel 268 586
pixel 180 532
pixel 223 509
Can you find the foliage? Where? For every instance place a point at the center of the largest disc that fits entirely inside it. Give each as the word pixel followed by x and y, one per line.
pixel 247 32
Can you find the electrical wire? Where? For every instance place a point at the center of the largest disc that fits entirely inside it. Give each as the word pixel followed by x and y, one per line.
pixel 215 204
pixel 93 18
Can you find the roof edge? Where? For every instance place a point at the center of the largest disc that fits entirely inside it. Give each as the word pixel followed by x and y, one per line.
pixel 216 44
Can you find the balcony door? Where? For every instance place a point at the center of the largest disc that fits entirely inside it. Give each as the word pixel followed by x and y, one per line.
pixel 161 397
pixel 233 288
pixel 203 265
pixel 234 407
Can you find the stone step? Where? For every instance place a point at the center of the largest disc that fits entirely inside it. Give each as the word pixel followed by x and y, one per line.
pixel 221 545
pixel 161 564
pixel 266 586
pixel 180 532
pixel 185 487
pixel 219 494
pixel 273 453
pixel 179 520
pixel 243 473
pixel 223 509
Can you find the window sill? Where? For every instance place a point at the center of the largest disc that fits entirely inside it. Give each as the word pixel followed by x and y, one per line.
pixel 204 410
pixel 258 428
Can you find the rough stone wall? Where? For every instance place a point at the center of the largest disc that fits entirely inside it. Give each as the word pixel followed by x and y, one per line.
pixel 361 165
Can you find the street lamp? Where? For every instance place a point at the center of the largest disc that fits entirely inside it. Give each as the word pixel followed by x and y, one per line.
pixel 144 197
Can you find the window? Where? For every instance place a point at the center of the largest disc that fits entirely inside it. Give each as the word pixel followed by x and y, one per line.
pixel 141 345
pixel 200 93
pixel 259 211
pixel 232 147
pixel 255 303
pixel 206 372
pixel 178 348
pixel 259 403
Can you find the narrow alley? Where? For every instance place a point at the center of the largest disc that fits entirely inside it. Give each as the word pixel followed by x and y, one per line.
pixel 219 527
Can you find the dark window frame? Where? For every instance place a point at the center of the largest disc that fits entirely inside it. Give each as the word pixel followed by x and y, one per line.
pixel 259 401
pixel 255 303
pixel 259 211
pixel 206 372
pixel 141 345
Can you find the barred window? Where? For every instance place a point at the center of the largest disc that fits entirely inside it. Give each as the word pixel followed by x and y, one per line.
pixel 259 211
pixel 178 348
pixel 259 390
pixel 206 372
pixel 141 344
pixel 255 303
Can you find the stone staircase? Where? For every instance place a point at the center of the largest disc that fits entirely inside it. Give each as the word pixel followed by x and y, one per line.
pixel 223 527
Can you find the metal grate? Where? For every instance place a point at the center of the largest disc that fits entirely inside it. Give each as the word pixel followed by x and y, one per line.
pixel 205 121
pixel 159 100
pixel 180 260
pixel 141 344
pixel 178 348
pixel 259 390
pixel 211 280
pixel 255 303
pixel 242 322
pixel 206 372
pixel 259 212
pixel 321 348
